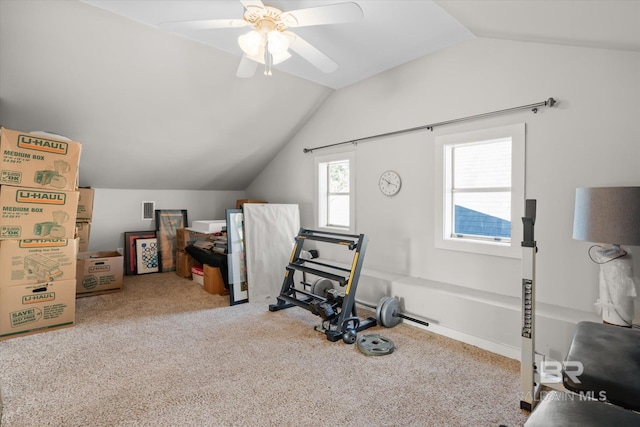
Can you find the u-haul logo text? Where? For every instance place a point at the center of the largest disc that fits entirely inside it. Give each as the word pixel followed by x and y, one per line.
pixel 43 243
pixel 32 142
pixel 36 298
pixel 41 197
pixel 99 268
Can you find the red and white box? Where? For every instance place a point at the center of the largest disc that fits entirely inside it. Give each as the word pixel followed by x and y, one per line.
pixel 197 273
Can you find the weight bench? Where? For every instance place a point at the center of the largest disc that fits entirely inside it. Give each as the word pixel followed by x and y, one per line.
pixel 610 359
pixel 567 410
pixel 610 356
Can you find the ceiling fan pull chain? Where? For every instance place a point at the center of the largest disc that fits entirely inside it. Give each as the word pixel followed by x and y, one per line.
pixel 268 59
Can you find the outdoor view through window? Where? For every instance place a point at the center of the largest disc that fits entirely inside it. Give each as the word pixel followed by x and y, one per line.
pixel 481 189
pixel 338 194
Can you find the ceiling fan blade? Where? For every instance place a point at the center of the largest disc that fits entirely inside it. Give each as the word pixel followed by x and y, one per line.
pixel 247 67
pixel 331 14
pixel 252 3
pixel 311 53
pixel 202 24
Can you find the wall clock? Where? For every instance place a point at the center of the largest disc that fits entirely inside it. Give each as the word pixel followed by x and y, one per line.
pixel 390 183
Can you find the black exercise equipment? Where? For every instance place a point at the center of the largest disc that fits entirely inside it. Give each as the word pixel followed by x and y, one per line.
pixel 610 360
pixel 561 409
pixel 388 312
pixel 336 308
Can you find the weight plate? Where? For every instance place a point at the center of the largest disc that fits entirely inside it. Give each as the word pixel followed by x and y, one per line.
pixel 321 286
pixel 375 345
pixel 387 311
pixel 382 302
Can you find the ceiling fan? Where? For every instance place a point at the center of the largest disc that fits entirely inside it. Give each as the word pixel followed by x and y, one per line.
pixel 269 41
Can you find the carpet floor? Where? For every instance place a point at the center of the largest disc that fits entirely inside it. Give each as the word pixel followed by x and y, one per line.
pixel 165 353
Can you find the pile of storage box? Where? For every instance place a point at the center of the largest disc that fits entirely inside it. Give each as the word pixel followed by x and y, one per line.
pixel 38 245
pixel 97 272
pixel 44 235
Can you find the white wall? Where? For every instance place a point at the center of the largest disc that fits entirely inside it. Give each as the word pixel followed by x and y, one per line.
pixel 117 211
pixel 590 138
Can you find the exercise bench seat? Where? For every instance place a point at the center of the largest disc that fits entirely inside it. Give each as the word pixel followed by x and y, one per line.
pixel 570 410
pixel 610 357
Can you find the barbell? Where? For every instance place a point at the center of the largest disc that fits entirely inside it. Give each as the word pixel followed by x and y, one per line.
pixel 387 311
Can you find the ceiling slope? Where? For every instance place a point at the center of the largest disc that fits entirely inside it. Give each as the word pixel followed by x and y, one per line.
pixel 152 110
pixel 391 32
pixel 159 110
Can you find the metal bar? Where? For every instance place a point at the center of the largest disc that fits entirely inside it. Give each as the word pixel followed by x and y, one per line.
pixel 533 107
pixel 302 260
pixel 307 232
pixel 413 319
pixel 396 314
pixel 349 243
pixel 340 279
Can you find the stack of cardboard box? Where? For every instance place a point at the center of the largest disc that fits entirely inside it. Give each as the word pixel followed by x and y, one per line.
pixel 38 248
pixel 99 272
pixel 84 217
pixel 184 261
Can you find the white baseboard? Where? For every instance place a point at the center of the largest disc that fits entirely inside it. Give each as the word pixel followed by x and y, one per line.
pixel 501 349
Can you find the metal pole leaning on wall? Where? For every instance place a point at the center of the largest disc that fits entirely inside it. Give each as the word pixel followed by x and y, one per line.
pixel 533 107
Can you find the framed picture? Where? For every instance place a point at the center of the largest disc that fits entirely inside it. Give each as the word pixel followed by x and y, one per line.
pixel 167 222
pixel 237 266
pixel 130 238
pixel 147 255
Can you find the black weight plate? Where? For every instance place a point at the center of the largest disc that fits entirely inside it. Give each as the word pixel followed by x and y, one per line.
pixel 375 345
pixel 321 286
pixel 387 311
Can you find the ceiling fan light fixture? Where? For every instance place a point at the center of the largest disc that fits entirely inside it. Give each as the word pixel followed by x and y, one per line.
pixel 276 59
pixel 250 42
pixel 278 43
pixel 280 57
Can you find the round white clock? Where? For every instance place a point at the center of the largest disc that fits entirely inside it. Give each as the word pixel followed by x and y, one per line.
pixel 390 183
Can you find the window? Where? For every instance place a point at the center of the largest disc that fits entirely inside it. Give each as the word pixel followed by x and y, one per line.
pixel 335 184
pixel 480 197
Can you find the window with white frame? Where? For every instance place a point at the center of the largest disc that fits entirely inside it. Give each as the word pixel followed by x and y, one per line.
pixel 335 185
pixel 480 190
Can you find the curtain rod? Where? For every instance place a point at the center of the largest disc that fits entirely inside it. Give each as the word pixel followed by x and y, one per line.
pixel 534 107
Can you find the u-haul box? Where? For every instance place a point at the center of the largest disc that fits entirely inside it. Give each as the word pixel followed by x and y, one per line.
pixel 27 309
pixel 36 261
pixel 85 204
pixel 31 213
pixel 99 272
pixel 83 230
pixel 38 161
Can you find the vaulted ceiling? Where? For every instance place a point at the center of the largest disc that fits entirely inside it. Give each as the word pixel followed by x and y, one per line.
pixel 164 110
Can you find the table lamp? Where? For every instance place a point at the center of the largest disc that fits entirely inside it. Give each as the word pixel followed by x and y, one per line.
pixel 611 216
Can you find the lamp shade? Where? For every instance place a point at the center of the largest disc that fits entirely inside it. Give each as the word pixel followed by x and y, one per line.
pixel 250 42
pixel 607 215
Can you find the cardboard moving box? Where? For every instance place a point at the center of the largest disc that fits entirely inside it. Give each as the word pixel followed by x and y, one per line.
pixel 241 202
pixel 36 261
pixel 186 235
pixel 31 213
pixel 99 272
pixel 85 205
pixel 83 230
pixel 38 161
pixel 184 262
pixel 213 282
pixel 27 309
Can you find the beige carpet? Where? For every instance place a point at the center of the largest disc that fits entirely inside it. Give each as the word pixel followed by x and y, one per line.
pixel 165 353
